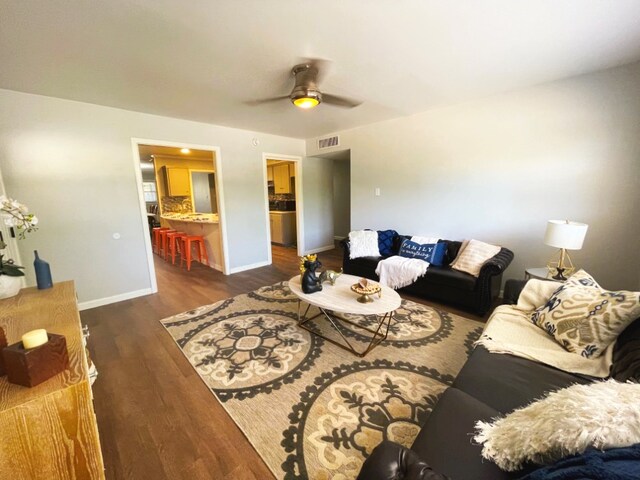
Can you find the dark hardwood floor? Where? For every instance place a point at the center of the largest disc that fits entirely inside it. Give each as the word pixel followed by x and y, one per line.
pixel 157 419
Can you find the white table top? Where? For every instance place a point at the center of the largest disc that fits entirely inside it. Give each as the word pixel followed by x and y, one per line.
pixel 340 298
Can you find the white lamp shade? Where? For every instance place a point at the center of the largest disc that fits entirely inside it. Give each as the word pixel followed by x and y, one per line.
pixel 565 234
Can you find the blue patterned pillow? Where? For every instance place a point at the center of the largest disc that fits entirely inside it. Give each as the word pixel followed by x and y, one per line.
pixel 430 252
pixel 385 242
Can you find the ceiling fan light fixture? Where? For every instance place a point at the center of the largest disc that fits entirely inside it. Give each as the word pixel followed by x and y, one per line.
pixel 306 102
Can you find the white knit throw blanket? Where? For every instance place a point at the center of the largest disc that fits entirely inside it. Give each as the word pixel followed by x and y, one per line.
pixel 397 272
pixel 510 330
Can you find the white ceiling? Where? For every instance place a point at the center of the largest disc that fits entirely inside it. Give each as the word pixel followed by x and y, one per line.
pixel 146 151
pixel 201 59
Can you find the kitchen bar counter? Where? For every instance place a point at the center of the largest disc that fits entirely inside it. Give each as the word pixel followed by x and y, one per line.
pixel 206 225
pixel 192 218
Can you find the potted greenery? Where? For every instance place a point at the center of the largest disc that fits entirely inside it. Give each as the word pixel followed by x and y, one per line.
pixel 15 215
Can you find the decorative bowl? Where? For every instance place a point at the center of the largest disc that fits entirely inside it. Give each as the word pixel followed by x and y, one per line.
pixel 365 289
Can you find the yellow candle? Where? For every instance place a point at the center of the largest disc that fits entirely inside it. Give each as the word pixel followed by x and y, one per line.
pixel 35 338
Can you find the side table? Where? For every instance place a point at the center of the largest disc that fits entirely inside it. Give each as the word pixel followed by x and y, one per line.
pixel 540 273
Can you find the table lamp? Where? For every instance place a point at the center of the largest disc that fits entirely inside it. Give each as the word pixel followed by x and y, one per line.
pixel 564 235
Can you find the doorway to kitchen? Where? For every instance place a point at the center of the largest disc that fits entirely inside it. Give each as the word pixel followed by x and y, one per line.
pixel 181 200
pixel 284 203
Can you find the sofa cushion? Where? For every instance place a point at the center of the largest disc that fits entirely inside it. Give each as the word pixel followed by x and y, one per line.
pixel 445 275
pixel 453 248
pixel 432 253
pixel 385 242
pixel 566 422
pixel 506 382
pixel 584 318
pixel 626 354
pixel 474 256
pixel 363 243
pixel 445 441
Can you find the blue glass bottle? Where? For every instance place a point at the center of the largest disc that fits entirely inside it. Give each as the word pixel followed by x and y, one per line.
pixel 43 273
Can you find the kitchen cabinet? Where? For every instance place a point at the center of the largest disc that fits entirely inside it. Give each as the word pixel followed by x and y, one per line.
pixel 177 181
pixel 281 178
pixel 269 174
pixel 283 227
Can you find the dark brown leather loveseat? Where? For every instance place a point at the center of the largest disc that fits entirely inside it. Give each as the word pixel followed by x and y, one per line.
pixel 443 284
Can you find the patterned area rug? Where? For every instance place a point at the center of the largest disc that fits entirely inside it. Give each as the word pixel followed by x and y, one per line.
pixel 313 410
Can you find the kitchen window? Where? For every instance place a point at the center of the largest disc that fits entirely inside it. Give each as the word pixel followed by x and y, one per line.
pixel 149 190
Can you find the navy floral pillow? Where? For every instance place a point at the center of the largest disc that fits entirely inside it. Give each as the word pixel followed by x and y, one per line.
pixel 385 242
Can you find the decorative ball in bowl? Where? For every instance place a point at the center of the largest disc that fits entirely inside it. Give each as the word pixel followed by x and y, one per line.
pixel 366 289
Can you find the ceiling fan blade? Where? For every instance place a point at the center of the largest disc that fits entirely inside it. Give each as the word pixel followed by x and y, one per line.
pixel 339 101
pixel 255 103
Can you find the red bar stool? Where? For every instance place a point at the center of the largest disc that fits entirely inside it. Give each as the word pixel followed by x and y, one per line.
pixel 174 241
pixel 162 247
pixel 156 238
pixel 188 242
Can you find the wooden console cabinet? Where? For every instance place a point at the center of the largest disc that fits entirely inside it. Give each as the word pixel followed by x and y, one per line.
pixel 48 431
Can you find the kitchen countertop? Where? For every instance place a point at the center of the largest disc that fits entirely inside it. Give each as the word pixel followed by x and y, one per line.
pixel 282 212
pixel 191 217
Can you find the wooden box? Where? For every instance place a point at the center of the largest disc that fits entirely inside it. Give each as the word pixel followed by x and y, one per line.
pixel 32 367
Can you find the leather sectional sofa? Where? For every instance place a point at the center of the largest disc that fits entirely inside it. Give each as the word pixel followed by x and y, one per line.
pixel 443 284
pixel 488 385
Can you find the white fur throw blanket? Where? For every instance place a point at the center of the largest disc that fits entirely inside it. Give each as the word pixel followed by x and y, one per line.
pixel 397 272
pixel 567 422
pixel 363 243
pixel 510 330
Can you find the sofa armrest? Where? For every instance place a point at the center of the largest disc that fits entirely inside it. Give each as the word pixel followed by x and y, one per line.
pixel 512 290
pixel 487 285
pixel 497 264
pixel 391 461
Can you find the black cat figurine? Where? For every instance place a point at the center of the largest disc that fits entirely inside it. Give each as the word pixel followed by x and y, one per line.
pixel 310 281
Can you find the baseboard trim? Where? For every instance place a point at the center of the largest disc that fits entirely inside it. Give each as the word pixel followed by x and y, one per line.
pixel 114 299
pixel 320 249
pixel 249 267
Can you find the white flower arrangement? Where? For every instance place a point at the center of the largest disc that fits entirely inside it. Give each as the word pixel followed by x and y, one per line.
pixel 17 215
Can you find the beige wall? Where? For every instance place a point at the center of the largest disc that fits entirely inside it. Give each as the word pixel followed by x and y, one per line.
pixel 497 169
pixel 317 203
pixel 72 163
pixel 341 198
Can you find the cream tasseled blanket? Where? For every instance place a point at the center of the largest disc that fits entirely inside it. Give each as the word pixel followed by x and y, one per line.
pixel 510 330
pixel 397 272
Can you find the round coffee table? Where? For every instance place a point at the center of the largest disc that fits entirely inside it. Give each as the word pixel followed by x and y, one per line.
pixel 339 298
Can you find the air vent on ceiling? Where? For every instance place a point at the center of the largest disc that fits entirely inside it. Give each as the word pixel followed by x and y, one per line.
pixel 328 142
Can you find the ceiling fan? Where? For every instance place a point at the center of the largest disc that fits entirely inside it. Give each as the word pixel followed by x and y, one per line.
pixel 306 93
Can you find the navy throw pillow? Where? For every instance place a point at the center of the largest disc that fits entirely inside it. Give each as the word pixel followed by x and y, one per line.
pixel 430 252
pixel 385 242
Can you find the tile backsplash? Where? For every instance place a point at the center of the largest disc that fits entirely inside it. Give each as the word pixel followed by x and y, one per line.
pixel 281 196
pixel 176 205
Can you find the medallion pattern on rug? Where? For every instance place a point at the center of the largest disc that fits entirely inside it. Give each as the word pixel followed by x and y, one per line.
pixel 309 408
pixel 344 415
pixel 411 327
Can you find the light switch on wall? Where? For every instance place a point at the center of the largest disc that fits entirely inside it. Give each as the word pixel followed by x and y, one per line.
pixel 377 191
